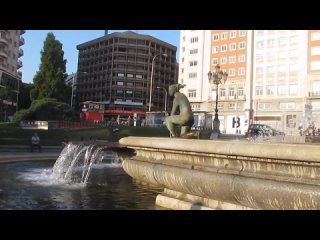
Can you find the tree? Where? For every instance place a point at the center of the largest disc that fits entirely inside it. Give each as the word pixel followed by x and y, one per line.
pixel 49 81
pixel 45 110
pixel 24 96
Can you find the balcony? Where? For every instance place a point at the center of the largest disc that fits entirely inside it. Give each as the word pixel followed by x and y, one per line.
pixel 3 53
pixel 22 32
pixel 19 65
pixel 19 74
pixel 21 41
pixel 314 94
pixel 20 52
pixel 4 41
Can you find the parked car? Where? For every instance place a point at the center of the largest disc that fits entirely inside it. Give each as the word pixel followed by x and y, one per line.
pixel 255 130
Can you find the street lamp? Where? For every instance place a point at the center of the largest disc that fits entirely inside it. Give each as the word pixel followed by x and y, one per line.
pixel 165 98
pixel 74 76
pixel 150 94
pixel 215 78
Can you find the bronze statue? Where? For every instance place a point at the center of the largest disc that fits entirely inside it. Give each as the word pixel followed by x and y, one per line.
pixel 181 113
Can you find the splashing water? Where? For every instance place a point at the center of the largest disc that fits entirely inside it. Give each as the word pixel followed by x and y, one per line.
pixel 76 161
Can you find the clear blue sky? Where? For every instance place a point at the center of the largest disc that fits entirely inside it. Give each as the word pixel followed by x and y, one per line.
pixel 70 39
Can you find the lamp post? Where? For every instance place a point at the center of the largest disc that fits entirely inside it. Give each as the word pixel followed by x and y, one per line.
pixel 215 78
pixel 73 78
pixel 236 106
pixel 150 94
pixel 165 98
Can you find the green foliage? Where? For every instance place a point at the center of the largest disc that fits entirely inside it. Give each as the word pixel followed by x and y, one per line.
pixel 49 80
pixel 24 97
pixel 45 110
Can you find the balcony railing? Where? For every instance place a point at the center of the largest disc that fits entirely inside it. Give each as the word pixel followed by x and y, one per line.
pixel 3 53
pixel 20 52
pixel 22 32
pixel 21 41
pixel 20 65
pixel 314 94
pixel 4 40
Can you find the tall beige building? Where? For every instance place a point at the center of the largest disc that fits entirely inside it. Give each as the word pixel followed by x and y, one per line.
pixel 10 76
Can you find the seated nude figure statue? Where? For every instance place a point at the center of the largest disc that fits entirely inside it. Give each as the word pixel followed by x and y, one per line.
pixel 181 113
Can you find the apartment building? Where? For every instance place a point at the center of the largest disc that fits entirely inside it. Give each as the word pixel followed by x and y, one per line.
pixel 194 65
pixel 280 78
pixel 273 77
pixel 312 105
pixel 10 75
pixel 118 70
pixel 200 52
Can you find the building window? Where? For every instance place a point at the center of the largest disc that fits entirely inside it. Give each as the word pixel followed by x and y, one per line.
pixel 259 57
pixel 293 89
pixel 242 33
pixel 223 60
pixel 129 93
pixel 232 72
pixel 240 92
pixel 120 83
pixel 129 84
pixel 259 91
pixel 193 63
pixel 233 34
pixel 241 71
pixel 291 121
pixel 270 69
pixel 283 41
pixel 194 40
pixel 260 44
pixel 224 35
pixel 231 92
pixel 194 51
pixel 271 43
pixel 120 74
pixel 222 93
pixel 224 48
pixel 220 106
pixel 242 58
pixel 232 106
pixel 232 59
pixel 315 36
pixel 215 49
pixel 193 75
pixel 281 90
pixel 215 37
pixel 294 40
pixel 130 75
pixel 315 65
pixel 271 56
pixel 139 76
pixel 192 93
pixel 233 46
pixel 214 61
pixel 287 105
pixel 270 91
pixel 242 45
